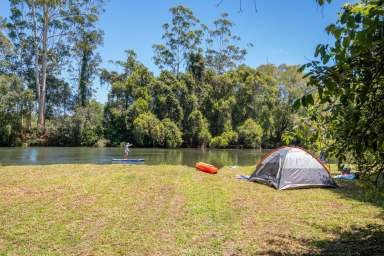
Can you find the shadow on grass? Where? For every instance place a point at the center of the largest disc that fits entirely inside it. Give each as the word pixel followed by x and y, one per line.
pixel 367 240
pixel 357 190
pixel 357 240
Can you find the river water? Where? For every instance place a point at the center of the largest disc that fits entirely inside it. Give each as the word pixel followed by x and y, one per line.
pixel 152 156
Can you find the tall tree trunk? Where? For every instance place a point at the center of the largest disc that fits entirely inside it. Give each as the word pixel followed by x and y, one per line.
pixel 41 119
pixel 36 50
pixel 29 116
pixel 84 77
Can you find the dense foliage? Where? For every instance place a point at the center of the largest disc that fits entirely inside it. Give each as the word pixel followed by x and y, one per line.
pixel 201 92
pixel 245 106
pixel 15 110
pixel 350 79
pixel 202 96
pixel 50 46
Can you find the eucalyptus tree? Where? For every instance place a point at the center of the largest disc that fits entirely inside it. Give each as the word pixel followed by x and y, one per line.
pixel 223 52
pixel 5 44
pixel 319 2
pixel 86 41
pixel 182 36
pixel 41 31
pixel 196 65
pixel 5 47
pixel 129 65
pixel 60 100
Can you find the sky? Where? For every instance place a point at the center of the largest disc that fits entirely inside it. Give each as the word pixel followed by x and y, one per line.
pixel 282 31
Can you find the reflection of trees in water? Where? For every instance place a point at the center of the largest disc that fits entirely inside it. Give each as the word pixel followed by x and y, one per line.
pixel 152 156
pixel 214 157
pixel 159 156
pixel 174 156
pixel 222 158
pixel 190 157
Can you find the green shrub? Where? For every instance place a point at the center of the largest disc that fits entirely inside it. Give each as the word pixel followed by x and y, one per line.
pixel 157 134
pixel 172 134
pixel 89 136
pixel 197 129
pixel 148 130
pixel 15 106
pixel 102 143
pixel 218 142
pixel 83 128
pixel 230 136
pixel 250 134
pixel 224 140
pixel 204 135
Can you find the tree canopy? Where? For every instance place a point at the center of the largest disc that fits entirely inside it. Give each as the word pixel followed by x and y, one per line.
pixel 349 79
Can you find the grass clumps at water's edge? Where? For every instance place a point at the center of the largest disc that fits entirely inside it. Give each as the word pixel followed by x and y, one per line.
pixel 176 210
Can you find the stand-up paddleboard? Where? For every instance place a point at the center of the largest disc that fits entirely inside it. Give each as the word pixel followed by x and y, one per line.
pixel 128 161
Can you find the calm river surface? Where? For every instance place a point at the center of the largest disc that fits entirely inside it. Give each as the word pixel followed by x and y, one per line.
pixel 64 155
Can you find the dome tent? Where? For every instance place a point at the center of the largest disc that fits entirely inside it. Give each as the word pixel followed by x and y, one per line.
pixel 291 167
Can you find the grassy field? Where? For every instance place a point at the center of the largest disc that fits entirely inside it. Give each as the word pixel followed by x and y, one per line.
pixel 175 210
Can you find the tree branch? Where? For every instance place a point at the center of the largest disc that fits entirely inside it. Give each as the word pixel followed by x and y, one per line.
pixel 240 6
pixel 219 3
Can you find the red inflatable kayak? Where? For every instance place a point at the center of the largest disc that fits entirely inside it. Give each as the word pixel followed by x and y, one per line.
pixel 206 168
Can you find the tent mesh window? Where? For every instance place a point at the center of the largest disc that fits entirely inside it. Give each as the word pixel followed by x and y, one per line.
pixel 270 169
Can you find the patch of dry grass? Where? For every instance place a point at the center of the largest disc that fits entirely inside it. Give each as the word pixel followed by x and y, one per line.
pixel 173 210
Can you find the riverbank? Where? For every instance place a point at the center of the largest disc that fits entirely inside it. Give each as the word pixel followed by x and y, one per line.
pixel 175 210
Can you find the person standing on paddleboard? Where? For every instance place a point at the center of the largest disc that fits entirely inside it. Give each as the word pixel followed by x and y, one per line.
pixel 126 149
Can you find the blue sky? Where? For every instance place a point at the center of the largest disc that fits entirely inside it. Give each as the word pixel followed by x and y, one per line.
pixel 282 31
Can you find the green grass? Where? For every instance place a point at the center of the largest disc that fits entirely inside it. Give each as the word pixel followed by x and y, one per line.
pixel 175 210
